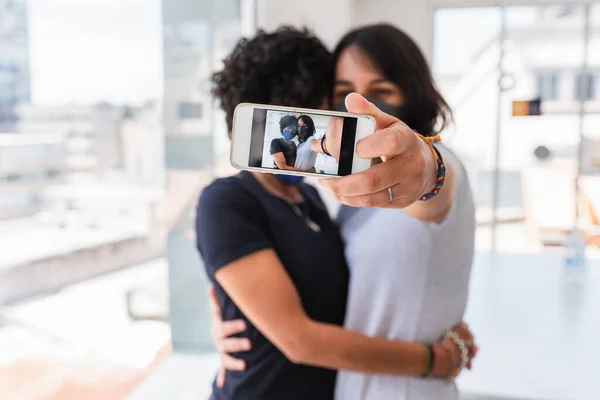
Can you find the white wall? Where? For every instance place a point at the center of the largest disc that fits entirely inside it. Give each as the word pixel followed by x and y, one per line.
pixel 413 17
pixel 330 19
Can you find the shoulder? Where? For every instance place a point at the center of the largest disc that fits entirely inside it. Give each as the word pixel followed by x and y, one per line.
pixel 221 187
pixel 232 191
pixel 277 144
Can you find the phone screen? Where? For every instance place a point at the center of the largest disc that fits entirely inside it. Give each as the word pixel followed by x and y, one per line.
pixel 293 140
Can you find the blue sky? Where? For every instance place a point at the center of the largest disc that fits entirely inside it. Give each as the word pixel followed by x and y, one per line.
pixel 85 51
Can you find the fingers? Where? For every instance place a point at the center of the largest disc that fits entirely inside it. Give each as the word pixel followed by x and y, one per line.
pixel 228 363
pixel 378 199
pixel 221 378
pixel 388 142
pixel 232 364
pixel 234 345
pixel 466 335
pixel 214 303
pixel 357 104
pixel 463 331
pixel 230 328
pixel 472 353
pixel 377 178
pixel 370 188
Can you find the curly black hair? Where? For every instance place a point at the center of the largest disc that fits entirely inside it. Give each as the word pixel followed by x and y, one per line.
pixel 289 67
pixel 287 121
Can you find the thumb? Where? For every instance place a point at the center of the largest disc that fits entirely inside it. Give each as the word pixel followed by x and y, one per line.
pixel 357 104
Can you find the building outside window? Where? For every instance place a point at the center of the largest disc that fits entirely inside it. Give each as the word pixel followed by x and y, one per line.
pixel 547 85
pixel 590 87
pixel 190 110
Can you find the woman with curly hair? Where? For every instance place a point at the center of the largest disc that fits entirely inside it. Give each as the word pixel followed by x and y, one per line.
pixel 276 259
pixel 284 149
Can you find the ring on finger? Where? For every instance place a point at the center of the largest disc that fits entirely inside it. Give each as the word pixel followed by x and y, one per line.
pixel 391 193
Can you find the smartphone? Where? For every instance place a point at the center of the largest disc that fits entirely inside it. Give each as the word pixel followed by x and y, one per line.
pixel 287 140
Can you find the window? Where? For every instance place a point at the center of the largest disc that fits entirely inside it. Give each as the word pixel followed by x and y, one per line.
pixel 590 87
pixel 547 85
pixel 190 110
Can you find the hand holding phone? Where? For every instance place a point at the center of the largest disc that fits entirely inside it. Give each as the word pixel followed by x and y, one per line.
pixel 298 141
pixel 407 169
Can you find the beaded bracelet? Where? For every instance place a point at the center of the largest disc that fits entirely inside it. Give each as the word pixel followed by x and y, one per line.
pixel 441 167
pixel 462 347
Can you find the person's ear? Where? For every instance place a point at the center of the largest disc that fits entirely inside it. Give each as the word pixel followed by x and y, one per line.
pixel 325 104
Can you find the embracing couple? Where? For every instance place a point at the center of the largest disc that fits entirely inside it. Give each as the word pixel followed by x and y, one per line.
pixel 366 307
pixel 300 156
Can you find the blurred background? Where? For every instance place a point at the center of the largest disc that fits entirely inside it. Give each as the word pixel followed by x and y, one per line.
pixel 108 133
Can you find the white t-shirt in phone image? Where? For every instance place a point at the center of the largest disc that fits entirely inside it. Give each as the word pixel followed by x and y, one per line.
pixel 305 157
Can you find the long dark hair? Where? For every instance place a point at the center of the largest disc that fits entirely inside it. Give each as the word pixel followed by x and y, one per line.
pixel 401 61
pixel 310 124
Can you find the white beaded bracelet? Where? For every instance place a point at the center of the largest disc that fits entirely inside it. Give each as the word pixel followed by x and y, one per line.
pixel 464 351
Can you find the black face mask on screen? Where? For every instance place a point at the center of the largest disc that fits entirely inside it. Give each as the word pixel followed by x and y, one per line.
pixel 395 111
pixel 303 133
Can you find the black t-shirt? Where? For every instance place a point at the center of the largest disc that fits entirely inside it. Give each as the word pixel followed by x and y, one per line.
pixel 289 150
pixel 237 217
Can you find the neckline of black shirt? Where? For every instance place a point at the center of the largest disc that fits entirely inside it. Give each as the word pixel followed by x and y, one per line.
pixel 302 204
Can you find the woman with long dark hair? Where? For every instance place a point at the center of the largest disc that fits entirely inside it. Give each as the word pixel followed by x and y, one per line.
pixel 410 260
pixel 306 156
pixel 410 253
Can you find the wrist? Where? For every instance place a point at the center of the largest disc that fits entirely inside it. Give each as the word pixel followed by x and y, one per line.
pixel 324 145
pixel 431 167
pixel 440 169
pixel 429 360
pixel 444 365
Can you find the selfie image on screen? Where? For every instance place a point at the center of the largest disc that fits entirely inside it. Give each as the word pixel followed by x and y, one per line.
pixel 292 141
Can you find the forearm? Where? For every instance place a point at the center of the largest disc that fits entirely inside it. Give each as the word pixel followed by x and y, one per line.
pixel 315 146
pixel 264 292
pixel 333 347
pixel 280 161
